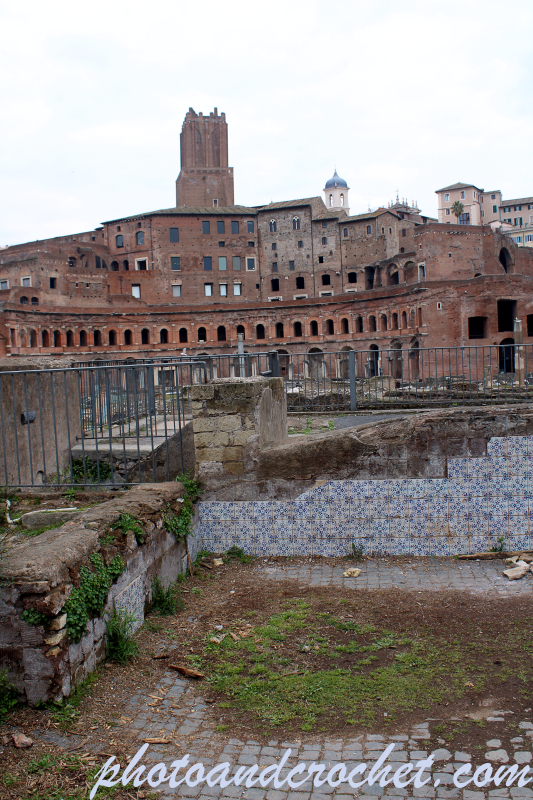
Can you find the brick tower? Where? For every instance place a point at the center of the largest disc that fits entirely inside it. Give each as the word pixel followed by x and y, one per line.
pixel 205 178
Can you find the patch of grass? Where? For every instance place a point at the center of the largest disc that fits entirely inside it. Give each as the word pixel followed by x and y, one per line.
pixel 196 590
pixel 165 601
pixel 120 645
pixel 8 695
pixel 239 554
pixel 66 712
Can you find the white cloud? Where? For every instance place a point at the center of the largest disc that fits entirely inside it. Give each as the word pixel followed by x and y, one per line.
pixel 408 97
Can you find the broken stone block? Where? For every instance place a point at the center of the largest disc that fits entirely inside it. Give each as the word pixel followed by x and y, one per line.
pixel 131 541
pixel 516 573
pixel 52 603
pixel 54 516
pixel 21 740
pixel 57 623
pixel 53 652
pixel 56 638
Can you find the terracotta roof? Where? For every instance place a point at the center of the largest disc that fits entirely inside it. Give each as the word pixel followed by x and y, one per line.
pixel 307 201
pixel 459 186
pixel 199 211
pixel 371 214
pixel 519 201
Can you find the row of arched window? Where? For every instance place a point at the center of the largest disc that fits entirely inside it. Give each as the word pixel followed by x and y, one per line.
pixel 273 225
pixel 374 323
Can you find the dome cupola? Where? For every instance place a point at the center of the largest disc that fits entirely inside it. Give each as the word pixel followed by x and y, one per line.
pixel 336 194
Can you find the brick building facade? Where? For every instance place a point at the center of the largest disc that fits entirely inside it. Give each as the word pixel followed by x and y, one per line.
pixel 292 275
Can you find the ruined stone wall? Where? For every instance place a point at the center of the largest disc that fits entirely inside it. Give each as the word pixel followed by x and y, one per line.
pixel 40 660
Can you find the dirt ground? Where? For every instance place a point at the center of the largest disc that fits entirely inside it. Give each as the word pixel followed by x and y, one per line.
pixel 482 661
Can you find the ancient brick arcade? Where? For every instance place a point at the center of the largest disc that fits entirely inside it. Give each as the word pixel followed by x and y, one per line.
pixel 293 276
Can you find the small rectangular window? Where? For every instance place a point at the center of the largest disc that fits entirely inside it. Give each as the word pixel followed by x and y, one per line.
pixel 174 235
pixel 250 226
pixel 221 228
pixel 404 231
pixel 175 263
pixel 237 289
pixel 446 198
pixel 136 290
pixel 223 289
pixel 222 263
pixel 26 281
pixel 176 290
pixel 300 244
pixel 250 264
pixel 493 197
pixel 53 283
pixel 320 259
pixel 234 226
pixel 237 263
pixel 251 244
pixel 274 246
pixel 208 289
pixel 448 212
pixel 3 285
pixel 324 223
pixel 140 237
pixel 494 209
pixel 222 244
pixel 462 195
pixel 206 226
pixel 141 265
pixel 291 265
pixel 324 240
pixel 274 266
pixel 97 262
pixel 208 263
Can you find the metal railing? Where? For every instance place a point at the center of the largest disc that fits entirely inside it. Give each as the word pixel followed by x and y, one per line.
pixel 116 425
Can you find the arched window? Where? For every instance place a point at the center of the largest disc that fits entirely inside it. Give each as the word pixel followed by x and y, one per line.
pixel 300 283
pixel 372 323
pixel 369 228
pixel 24 301
pixel 359 325
pixel 273 226
pixel 183 335
pixel 330 327
pixel 326 280
pixel 221 333
pixel 202 335
pixel 97 336
pixel 35 301
pixel 298 329
pixel 126 264
pixel 72 261
pixel 127 337
pixel 114 266
pixel 70 339
pixel 112 338
pixel 395 322
pixel 342 199
pixel 345 232
pixel 240 329
pixel 279 330
pixel 394 279
pixel 83 339
pixel 383 322
pixel 296 224
pixel 352 277
pixel 260 331
pixel 163 336
pixel 145 336
pixel 57 338
pixel 33 338
pixel 119 240
pixel 345 328
pixel 331 200
pixel 404 319
pixel 44 338
pixel 505 259
pixel 314 327
pixel 139 237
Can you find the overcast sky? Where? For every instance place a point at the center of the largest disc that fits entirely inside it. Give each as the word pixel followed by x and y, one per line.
pixel 408 96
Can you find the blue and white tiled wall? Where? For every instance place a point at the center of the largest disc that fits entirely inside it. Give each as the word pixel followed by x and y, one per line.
pixel 481 500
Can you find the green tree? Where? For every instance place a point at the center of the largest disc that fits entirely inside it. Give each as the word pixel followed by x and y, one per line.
pixel 457 209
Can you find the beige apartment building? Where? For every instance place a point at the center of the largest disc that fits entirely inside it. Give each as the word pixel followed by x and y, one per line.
pixel 479 207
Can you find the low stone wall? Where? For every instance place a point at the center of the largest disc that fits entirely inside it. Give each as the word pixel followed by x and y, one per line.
pixel 40 660
pixel 480 503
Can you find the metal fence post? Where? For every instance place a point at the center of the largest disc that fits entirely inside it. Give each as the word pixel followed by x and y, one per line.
pixel 353 374
pixel 273 358
pixel 151 388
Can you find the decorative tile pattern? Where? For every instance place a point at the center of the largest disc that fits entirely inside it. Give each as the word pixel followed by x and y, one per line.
pixel 132 600
pixel 481 501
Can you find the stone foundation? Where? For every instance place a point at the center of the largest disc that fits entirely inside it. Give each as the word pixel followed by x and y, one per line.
pixel 40 660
